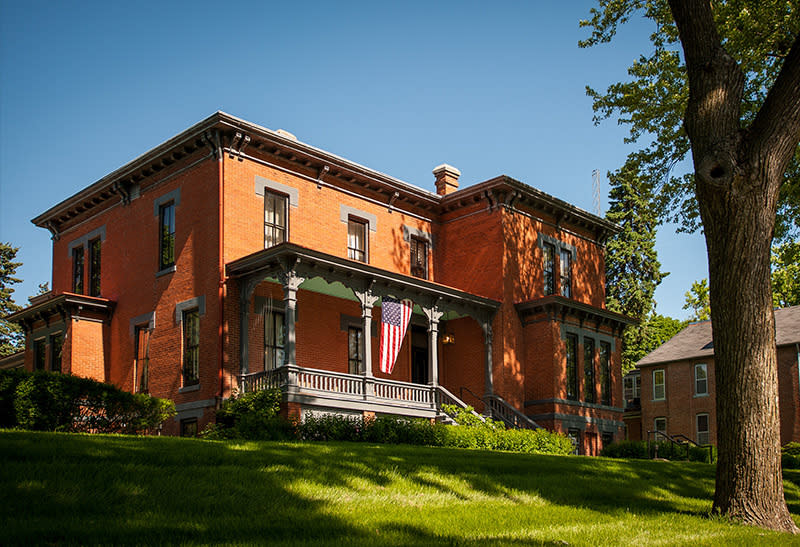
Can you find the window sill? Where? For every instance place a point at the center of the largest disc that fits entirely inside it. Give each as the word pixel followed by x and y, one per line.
pixel 700 395
pixel 165 271
pixel 187 389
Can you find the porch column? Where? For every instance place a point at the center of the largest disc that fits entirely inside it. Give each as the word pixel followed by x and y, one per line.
pixel 367 300
pixel 246 288
pixel 433 315
pixel 433 350
pixel 487 338
pixel 291 281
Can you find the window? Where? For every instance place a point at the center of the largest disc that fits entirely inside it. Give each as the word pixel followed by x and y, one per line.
pixel 141 368
pixel 273 339
pixel 700 379
pixel 572 367
pixel 166 235
pixel 94 267
pixel 77 270
pixel 574 436
pixel 605 373
pixel 191 347
pixel 566 273
pixel 357 239
pixel 39 348
pixel 632 386
pixel 659 388
pixel 275 219
pixel 702 429
pixel 588 370
pixel 549 251
pixel 419 258
pixel 606 438
pixel 660 425
pixel 189 427
pixel 56 344
pixel 355 351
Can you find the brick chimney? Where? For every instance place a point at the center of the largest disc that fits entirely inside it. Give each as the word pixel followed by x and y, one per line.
pixel 446 179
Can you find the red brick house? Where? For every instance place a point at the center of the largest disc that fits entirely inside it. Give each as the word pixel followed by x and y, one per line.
pixel 673 389
pixel 237 257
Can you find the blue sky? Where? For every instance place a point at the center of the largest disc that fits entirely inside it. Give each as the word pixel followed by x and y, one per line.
pixel 492 89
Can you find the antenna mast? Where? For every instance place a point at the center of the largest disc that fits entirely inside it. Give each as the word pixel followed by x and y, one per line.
pixel 596 192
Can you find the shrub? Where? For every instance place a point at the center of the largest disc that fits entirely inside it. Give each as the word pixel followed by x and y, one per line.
pixel 666 450
pixel 790 456
pixel 48 401
pixel 9 380
pixel 252 416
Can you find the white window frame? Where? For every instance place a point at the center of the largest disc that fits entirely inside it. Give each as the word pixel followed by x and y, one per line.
pixel 707 432
pixel 704 368
pixel 655 424
pixel 663 384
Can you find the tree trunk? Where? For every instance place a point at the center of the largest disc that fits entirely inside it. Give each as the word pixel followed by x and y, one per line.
pixel 738 173
pixel 749 485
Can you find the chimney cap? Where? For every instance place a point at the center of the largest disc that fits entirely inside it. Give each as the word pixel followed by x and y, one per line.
pixel 445 168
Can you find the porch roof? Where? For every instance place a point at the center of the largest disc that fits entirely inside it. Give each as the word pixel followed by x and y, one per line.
pixel 555 305
pixel 309 263
pixel 64 304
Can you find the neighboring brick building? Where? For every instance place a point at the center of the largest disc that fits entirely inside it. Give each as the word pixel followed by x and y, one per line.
pixel 676 390
pixel 236 257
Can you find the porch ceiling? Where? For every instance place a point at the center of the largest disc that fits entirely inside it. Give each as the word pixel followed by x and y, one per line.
pixel 307 263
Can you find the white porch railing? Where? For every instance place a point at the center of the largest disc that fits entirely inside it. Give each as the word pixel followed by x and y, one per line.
pixel 301 381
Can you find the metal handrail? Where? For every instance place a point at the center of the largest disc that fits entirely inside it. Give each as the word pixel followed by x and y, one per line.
pixel 678 440
pixel 446 398
pixel 461 391
pixel 508 414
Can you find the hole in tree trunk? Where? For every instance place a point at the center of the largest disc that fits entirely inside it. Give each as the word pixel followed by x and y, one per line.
pixel 717 172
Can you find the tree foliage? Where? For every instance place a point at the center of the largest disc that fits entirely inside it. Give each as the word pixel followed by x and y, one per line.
pixel 786 274
pixel 757 33
pixel 699 301
pixel 632 268
pixel 11 339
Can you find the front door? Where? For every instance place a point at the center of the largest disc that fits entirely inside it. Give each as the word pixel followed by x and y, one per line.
pixel 419 355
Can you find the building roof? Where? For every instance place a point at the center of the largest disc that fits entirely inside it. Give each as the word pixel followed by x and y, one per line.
pixel 237 137
pixel 695 340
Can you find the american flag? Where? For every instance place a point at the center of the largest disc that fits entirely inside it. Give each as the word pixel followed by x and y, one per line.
pixel 395 315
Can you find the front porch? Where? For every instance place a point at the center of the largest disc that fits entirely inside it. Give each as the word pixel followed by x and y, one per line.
pixel 309 362
pixel 328 390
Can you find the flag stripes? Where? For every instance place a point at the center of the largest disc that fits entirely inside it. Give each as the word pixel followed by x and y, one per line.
pixel 395 315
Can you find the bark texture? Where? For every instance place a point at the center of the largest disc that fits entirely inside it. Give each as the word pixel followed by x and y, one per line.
pixel 738 173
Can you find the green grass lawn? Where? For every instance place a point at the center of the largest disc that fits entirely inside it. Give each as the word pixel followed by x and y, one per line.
pixel 80 489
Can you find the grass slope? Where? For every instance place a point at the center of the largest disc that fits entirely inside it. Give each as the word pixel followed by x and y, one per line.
pixel 80 489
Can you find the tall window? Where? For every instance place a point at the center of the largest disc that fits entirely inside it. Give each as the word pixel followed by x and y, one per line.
pixel 574 435
pixel 191 347
pixel 549 252
pixel 39 347
pixel 572 367
pixel 275 217
pixel 273 339
pixel 355 351
pixel 700 379
pixel 419 258
pixel 566 273
pixel 94 267
pixel 588 370
pixel 702 429
pixel 77 270
pixel 632 385
pixel 357 239
pixel 142 361
pixel 56 344
pixel 659 385
pixel 660 425
pixel 166 235
pixel 605 373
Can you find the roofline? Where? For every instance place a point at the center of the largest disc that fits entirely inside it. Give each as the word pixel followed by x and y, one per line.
pixel 222 120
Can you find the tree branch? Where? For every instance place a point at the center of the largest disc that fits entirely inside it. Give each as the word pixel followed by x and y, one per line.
pixel 777 124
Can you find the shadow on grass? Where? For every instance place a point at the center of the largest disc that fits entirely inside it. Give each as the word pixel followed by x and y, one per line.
pixel 122 490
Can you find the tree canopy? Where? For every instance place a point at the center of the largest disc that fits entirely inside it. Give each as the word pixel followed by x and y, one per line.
pixel 756 33
pixel 11 340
